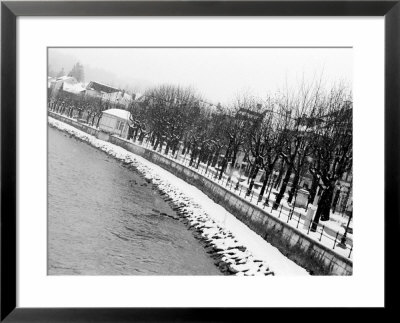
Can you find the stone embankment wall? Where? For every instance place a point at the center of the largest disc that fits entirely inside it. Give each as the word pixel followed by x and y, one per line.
pixel 316 258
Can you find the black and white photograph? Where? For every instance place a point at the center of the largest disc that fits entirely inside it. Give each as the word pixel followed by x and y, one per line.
pixel 200 161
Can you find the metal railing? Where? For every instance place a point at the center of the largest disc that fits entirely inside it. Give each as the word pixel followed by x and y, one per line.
pixel 326 236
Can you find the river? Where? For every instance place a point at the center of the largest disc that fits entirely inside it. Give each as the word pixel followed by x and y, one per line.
pixel 101 219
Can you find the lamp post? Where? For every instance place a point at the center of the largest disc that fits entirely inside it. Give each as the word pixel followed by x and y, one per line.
pixel 342 243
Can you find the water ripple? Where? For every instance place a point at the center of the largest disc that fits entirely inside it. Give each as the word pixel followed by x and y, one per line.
pixel 103 219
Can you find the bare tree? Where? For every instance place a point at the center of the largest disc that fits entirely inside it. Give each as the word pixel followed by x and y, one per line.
pixel 139 120
pixel 298 107
pixel 333 153
pixel 243 117
pixel 170 110
pixel 274 138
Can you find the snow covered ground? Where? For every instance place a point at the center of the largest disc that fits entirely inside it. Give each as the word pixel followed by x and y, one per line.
pixel 228 240
pixel 328 233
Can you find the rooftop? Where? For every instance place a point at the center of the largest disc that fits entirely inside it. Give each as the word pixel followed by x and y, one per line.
pixel 122 114
pixel 97 86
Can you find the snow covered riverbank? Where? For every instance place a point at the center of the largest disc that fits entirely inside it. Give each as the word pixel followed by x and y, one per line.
pixel 235 248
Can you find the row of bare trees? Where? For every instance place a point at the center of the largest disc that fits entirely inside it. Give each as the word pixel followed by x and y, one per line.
pixel 286 136
pixel 76 105
pixel 293 133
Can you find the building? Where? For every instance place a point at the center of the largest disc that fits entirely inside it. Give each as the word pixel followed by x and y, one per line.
pixel 67 84
pixel 119 99
pixel 115 122
pixel 115 97
pixel 252 116
pixel 50 81
pixel 99 90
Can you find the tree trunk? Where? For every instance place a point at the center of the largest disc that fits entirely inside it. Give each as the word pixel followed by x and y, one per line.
pixel 156 144
pixel 221 172
pixel 232 163
pixel 264 186
pixel 224 162
pixel 335 200
pixel 250 171
pixel 279 178
pixel 167 149
pixel 253 177
pixel 135 133
pixel 209 160
pixel 269 192
pixel 234 158
pixel 324 207
pixel 283 187
pixel 198 161
pixel 294 186
pixel 174 148
pixel 215 160
pixel 93 117
pixel 313 189
pixel 98 121
pixel 192 156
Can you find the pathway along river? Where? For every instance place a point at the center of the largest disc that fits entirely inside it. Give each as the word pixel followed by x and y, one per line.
pixel 100 219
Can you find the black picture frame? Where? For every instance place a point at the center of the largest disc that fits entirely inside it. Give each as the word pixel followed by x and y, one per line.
pixel 10 10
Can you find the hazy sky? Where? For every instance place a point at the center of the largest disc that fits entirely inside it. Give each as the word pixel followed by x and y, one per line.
pixel 219 74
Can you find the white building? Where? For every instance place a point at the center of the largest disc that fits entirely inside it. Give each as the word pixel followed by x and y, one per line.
pixel 115 122
pixel 50 81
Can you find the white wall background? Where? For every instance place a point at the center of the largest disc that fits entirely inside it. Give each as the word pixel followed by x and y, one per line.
pixel 364 288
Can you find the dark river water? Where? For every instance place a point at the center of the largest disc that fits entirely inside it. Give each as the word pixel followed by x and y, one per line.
pixel 100 219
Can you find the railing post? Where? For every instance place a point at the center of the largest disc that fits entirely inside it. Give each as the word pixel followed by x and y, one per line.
pixel 309 227
pixel 351 249
pixel 334 244
pixel 298 221
pixel 280 211
pixel 322 231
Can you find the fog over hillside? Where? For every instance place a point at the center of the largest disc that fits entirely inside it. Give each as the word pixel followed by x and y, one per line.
pixel 217 74
pixel 58 61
